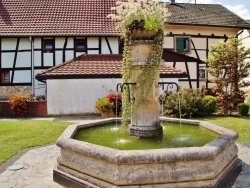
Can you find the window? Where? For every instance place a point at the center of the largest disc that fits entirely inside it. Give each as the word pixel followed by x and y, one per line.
pixel 5 77
pixel 182 44
pixel 202 73
pixel 48 45
pixel 80 45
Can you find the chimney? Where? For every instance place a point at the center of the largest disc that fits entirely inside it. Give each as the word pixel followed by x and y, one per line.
pixel 172 1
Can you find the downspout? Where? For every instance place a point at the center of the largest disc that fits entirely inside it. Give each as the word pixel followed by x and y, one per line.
pixel 239 33
pixel 32 67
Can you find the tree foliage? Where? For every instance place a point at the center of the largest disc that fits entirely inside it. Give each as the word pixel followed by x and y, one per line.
pixel 228 65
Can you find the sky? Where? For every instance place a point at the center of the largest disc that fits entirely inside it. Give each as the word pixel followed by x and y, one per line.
pixel 239 7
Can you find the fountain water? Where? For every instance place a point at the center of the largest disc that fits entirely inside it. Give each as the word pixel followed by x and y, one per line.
pixel 83 164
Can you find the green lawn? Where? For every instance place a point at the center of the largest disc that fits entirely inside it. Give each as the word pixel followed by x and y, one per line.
pixel 17 135
pixel 241 125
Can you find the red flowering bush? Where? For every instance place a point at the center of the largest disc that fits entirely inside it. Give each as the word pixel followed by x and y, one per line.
pixel 109 103
pixel 112 97
pixel 19 103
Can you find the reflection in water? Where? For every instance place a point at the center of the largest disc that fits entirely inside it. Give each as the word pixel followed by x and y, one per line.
pixel 116 128
pixel 174 136
pixel 122 141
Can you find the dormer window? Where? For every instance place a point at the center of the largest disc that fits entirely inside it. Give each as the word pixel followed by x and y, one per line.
pixel 182 44
pixel 80 45
pixel 48 45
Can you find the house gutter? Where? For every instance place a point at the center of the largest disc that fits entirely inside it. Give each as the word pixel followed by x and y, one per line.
pixel 32 67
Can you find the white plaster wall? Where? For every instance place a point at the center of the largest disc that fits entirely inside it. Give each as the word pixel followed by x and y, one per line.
pixel 79 53
pixel 114 44
pixel 113 41
pixel 93 51
pixel 59 58
pixel 37 58
pixel 23 59
pixel 24 44
pixel 195 30
pixel 40 87
pixel 199 43
pixel 70 43
pixel 22 76
pixel 168 42
pixel 93 42
pixel 78 96
pixel 245 37
pixel 48 59
pixel 7 59
pixel 37 43
pixel 59 42
pixel 69 54
pixel 182 66
pixel 9 43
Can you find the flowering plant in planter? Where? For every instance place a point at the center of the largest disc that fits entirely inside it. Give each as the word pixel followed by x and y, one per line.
pixel 110 103
pixel 103 105
pixel 139 15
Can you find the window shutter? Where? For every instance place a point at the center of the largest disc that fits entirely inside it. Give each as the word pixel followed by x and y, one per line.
pixel 179 44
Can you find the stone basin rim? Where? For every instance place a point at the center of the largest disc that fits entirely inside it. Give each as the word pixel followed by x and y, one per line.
pixel 206 152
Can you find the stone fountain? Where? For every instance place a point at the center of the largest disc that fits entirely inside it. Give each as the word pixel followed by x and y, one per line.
pixel 82 164
pixel 145 118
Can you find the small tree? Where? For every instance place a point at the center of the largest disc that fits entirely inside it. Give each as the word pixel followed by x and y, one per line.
pixel 229 66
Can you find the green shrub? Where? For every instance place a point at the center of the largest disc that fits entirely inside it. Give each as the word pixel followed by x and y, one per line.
pixel 191 103
pixel 210 104
pixel 243 109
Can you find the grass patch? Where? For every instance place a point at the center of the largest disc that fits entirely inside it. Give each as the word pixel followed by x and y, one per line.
pixel 18 135
pixel 241 125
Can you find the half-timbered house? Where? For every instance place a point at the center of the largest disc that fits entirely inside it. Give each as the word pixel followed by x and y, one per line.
pixel 37 35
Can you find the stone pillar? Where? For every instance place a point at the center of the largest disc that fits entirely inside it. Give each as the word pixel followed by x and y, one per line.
pixel 145 117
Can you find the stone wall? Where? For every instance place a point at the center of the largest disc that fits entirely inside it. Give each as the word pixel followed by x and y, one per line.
pixel 5 91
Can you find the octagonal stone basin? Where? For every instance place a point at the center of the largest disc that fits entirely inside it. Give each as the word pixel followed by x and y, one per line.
pixel 82 164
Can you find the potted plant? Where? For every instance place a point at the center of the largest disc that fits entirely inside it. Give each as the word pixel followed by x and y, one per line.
pixel 138 16
pixel 110 105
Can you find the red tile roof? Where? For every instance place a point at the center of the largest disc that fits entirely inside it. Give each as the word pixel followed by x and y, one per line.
pixel 56 17
pixel 89 17
pixel 97 66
